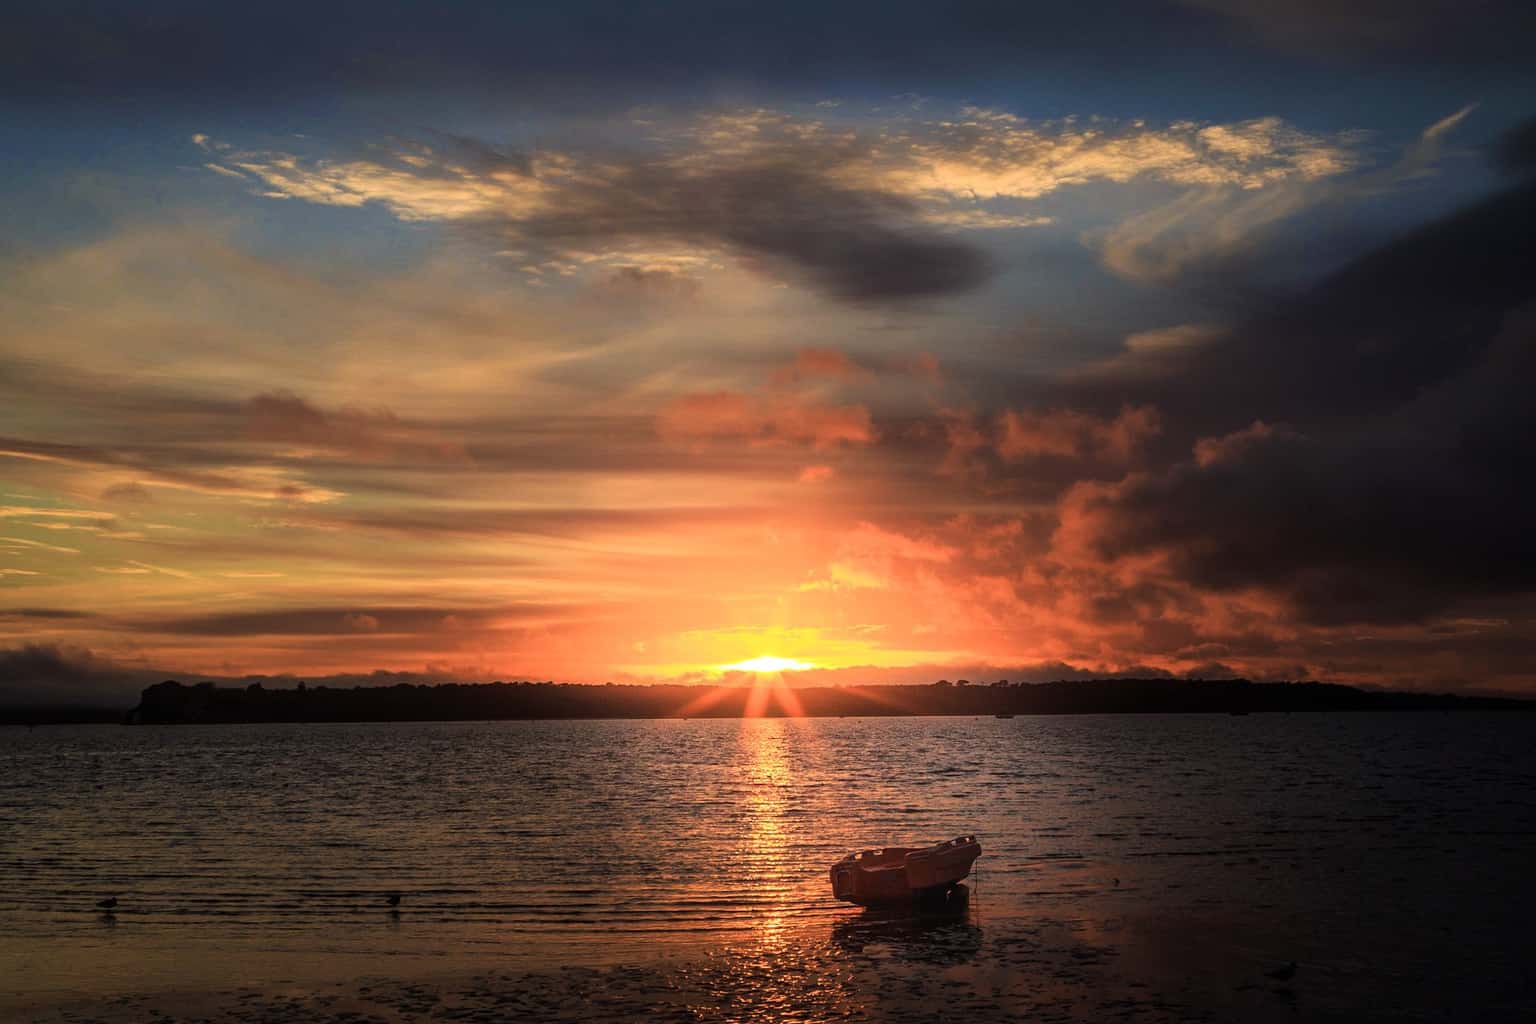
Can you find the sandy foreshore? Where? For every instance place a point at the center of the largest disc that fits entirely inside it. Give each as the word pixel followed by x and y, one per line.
pixel 1045 972
pixel 680 993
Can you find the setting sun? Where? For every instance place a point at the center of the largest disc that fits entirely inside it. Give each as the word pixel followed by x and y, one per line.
pixel 768 663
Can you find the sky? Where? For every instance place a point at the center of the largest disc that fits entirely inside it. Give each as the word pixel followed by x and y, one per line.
pixel 885 342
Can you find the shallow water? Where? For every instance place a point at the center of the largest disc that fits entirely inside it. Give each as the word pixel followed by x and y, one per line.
pixel 1389 854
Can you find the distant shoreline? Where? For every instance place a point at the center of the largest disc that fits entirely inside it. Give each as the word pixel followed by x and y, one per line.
pixel 171 702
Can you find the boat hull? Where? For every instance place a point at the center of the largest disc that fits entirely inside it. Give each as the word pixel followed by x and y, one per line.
pixel 902 874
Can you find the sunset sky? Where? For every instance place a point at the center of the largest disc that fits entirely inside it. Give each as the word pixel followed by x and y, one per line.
pixel 896 341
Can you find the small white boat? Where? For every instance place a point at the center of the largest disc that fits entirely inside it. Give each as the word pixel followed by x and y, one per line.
pixel 899 874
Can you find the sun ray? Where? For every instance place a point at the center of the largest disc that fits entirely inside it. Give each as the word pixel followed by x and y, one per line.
pixel 787 699
pixel 880 699
pixel 757 698
pixel 704 701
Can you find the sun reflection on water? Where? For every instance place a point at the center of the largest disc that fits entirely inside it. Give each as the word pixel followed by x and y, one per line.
pixel 764 742
pixel 792 968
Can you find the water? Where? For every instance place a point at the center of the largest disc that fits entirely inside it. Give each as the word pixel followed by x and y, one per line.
pixel 1372 848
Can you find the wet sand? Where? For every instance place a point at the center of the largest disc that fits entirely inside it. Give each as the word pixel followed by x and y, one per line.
pixel 869 969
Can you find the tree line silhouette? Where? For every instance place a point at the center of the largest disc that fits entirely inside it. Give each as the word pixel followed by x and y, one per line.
pixel 173 702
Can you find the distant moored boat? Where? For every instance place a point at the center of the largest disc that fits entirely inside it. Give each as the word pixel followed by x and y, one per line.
pixel 902 873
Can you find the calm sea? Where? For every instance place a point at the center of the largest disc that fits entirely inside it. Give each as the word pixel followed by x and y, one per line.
pixel 1391 850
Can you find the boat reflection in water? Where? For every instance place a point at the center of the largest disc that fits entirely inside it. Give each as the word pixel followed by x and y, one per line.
pixel 936 930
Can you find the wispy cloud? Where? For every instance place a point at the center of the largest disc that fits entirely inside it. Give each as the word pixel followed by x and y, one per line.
pixel 253 481
pixel 991 154
pixel 21 542
pixel 1216 224
pixel 847 205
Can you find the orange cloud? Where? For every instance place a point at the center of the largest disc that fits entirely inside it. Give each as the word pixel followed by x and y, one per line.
pixel 819 363
pixel 1211 451
pixel 1071 434
pixel 775 418
pixel 815 474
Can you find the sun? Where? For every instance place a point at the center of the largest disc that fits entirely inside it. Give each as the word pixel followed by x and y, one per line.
pixel 768 688
pixel 767 663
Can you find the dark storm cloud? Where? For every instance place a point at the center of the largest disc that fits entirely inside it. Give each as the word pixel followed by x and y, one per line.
pixel 577 50
pixel 1364 340
pixel 1441 30
pixel 1367 446
pixel 1515 151
pixel 856 244
pixel 49 676
pixel 1389 526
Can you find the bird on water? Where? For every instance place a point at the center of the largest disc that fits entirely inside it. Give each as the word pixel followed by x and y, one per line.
pixel 110 903
pixel 1285 973
pixel 393 899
